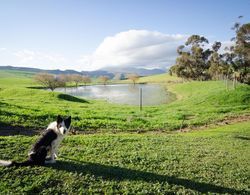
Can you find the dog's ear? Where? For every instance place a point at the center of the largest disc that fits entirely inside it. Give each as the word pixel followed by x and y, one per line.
pixel 67 122
pixel 59 119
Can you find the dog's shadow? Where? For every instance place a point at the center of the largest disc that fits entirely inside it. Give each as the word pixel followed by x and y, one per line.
pixel 245 138
pixel 108 172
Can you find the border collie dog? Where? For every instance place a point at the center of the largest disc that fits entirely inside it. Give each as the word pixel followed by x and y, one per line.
pixel 47 145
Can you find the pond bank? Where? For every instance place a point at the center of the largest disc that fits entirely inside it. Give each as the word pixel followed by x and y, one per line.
pixel 152 94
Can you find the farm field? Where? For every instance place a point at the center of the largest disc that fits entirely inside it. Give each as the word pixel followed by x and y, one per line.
pixel 124 150
pixel 198 104
pixel 208 161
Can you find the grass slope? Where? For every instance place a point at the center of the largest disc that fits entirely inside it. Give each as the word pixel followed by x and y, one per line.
pixel 160 78
pixel 199 103
pixel 210 161
pixel 11 78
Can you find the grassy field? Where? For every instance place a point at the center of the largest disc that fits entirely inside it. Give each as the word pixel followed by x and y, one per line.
pixel 160 78
pixel 133 152
pixel 210 161
pixel 199 103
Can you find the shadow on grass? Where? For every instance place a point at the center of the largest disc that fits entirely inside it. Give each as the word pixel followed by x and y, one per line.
pixel 242 137
pixel 71 98
pixel 119 174
pixel 65 96
pixel 11 130
pixel 36 87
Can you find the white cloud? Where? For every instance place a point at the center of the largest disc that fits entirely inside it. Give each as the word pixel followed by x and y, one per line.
pixel 140 48
pixel 137 48
pixel 36 57
pixel 3 49
pixel 30 58
pixel 225 44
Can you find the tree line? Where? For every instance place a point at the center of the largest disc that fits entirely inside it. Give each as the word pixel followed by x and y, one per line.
pixel 197 61
pixel 52 81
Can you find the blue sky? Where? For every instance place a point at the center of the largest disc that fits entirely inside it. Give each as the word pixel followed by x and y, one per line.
pixel 74 34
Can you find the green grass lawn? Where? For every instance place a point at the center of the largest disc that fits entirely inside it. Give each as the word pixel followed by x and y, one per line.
pixel 119 160
pixel 209 161
pixel 199 103
pixel 160 78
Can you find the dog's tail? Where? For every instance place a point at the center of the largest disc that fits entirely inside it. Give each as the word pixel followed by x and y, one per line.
pixel 5 163
pixel 16 164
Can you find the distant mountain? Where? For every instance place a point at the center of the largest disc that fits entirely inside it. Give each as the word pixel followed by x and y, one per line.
pixel 96 73
pixel 110 72
pixel 20 69
pixel 139 71
pixel 36 70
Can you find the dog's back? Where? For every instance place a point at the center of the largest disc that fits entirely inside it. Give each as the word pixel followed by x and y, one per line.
pixel 46 140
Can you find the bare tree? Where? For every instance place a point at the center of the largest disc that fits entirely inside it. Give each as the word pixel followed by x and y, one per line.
pixel 133 77
pixel 86 79
pixel 76 78
pixel 49 80
pixel 65 79
pixel 104 79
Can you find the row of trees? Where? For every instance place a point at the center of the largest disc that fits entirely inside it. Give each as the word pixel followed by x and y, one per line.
pixel 54 81
pixel 198 61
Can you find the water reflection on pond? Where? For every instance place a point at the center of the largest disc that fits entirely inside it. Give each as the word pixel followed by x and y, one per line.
pixel 152 94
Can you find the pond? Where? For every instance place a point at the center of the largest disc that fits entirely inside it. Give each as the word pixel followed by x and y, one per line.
pixel 152 94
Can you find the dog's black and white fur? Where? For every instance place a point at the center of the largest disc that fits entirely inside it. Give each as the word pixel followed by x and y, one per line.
pixel 47 144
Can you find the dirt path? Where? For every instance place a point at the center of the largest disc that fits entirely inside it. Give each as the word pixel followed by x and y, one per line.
pixel 225 121
pixel 7 130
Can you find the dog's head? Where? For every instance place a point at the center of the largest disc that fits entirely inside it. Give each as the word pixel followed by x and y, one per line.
pixel 63 125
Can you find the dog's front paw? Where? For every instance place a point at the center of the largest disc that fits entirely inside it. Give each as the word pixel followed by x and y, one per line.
pixel 50 161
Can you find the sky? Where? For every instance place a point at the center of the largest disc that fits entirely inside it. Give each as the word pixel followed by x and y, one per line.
pixel 94 34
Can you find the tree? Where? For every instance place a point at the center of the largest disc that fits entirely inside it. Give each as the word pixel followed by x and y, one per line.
pixel 197 63
pixel 198 57
pixel 242 51
pixel 65 79
pixel 170 72
pixel 216 46
pixel 49 81
pixel 239 53
pixel 183 67
pixel 216 69
pixel 193 62
pixel 104 79
pixel 133 77
pixel 76 78
pixel 86 79
pixel 228 64
pixel 196 40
